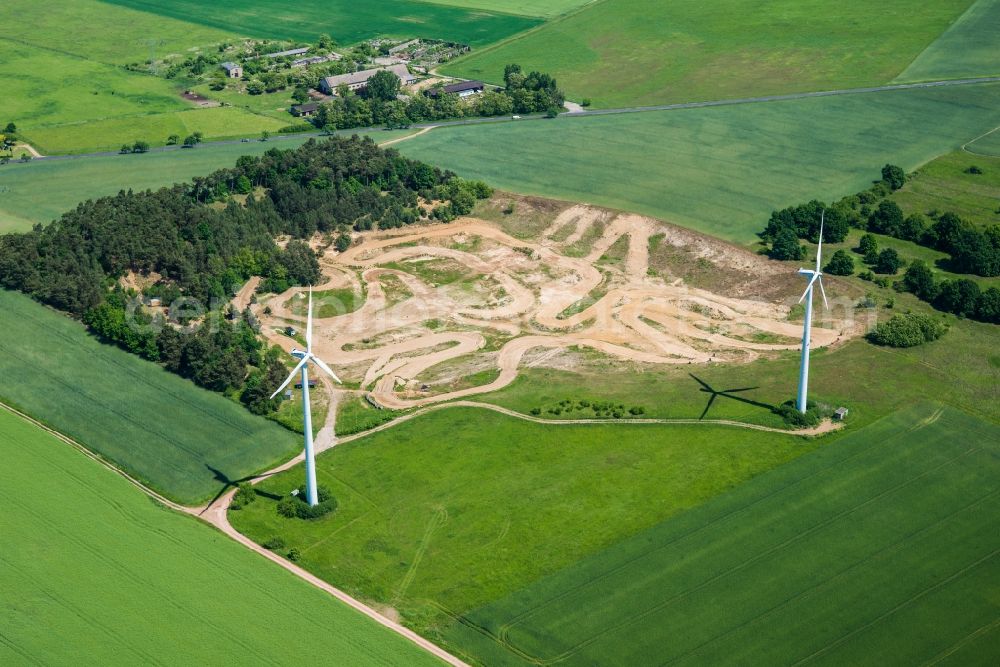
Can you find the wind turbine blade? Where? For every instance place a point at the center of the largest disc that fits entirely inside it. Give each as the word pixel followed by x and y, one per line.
pixel 309 322
pixel 702 383
pixel 291 376
pixel 319 362
pixel 809 287
pixel 819 248
pixel 707 407
pixel 823 292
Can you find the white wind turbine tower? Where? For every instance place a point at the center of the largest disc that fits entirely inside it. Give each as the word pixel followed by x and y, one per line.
pixel 304 358
pixel 815 277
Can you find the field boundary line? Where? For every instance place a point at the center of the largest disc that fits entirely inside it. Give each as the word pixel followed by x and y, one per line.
pixel 96 457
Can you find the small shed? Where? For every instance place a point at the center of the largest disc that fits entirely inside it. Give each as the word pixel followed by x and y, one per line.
pixel 305 110
pixel 840 413
pixel 288 394
pixel 233 70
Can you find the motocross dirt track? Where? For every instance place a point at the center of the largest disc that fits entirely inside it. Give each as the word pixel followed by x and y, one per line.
pixel 503 298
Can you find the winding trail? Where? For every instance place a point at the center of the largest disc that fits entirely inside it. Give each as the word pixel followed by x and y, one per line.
pixel 545 294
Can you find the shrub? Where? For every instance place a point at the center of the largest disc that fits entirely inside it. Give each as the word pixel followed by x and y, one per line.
pixel 244 496
pixel 297 507
pixel 893 176
pixel 786 245
pixel 274 543
pixel 585 102
pixel 888 261
pixel 868 247
pixel 908 330
pixel 294 554
pixel 637 410
pixel 973 170
pixel 535 411
pixel 841 264
pixel 867 275
pixel 792 417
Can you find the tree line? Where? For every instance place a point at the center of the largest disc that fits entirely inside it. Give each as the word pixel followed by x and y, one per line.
pixel 203 239
pixel 379 103
pixel 971 250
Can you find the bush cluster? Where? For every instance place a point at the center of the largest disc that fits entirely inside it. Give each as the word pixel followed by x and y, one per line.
pixel 603 409
pixel 243 497
pixel 961 296
pixel 907 330
pixel 791 415
pixel 298 507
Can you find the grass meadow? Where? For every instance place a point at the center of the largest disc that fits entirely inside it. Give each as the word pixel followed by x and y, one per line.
pixel 945 184
pixel 639 52
pixel 183 441
pixel 108 134
pixel 455 508
pixel 874 550
pixel 719 170
pixel 347 21
pixel 95 571
pixel 969 47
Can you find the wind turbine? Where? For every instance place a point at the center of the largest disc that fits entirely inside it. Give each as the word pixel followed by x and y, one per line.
pixel 304 358
pixel 815 277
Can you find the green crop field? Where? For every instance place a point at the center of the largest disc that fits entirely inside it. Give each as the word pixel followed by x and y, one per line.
pixel 970 47
pixel 183 441
pixel 631 52
pixel 345 20
pixel 455 508
pixel 100 31
pixel 719 170
pixel 945 185
pixel 41 190
pixel 542 8
pixel 94 572
pixel 878 549
pixel 109 134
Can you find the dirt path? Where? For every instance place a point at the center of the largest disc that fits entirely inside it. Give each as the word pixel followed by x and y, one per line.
pixel 409 136
pixel 537 296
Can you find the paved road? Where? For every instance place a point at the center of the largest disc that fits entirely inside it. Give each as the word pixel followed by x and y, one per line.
pixel 575 114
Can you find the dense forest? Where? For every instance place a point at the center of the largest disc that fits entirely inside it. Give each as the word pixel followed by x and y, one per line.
pixel 192 245
pixel 970 250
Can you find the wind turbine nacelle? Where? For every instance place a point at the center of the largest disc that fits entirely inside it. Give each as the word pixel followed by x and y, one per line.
pixel 298 354
pixel 804 272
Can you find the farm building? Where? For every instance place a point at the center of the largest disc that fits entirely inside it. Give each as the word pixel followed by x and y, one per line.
pixel 462 89
pixel 315 60
pixel 233 70
pixel 358 80
pixel 307 109
pixel 289 52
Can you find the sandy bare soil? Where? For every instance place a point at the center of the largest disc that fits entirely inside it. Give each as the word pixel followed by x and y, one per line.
pixel 467 290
